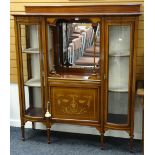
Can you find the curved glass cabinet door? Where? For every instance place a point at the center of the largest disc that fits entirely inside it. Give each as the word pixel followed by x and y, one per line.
pixel 31 69
pixel 118 82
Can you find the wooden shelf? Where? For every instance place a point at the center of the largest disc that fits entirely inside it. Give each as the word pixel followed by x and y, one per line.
pixel 122 89
pixel 33 83
pixel 34 112
pixel 31 50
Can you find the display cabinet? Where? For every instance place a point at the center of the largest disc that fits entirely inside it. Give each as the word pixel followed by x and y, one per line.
pixel 77 65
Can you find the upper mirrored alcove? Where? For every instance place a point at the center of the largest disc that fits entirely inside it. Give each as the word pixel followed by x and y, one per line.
pixel 73 46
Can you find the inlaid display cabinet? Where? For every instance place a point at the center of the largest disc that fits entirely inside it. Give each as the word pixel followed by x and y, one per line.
pixel 76 65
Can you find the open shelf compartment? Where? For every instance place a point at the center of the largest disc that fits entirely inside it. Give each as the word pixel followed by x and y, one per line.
pixel 34 112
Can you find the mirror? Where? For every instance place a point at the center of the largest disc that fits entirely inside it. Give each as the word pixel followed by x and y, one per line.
pixel 73 45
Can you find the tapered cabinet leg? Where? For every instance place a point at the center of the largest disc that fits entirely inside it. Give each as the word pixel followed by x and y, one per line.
pixel 49 135
pixel 23 131
pixel 131 143
pixel 33 125
pixel 102 141
pixel 48 126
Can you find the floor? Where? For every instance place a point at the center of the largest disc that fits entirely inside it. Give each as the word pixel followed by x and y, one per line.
pixel 67 144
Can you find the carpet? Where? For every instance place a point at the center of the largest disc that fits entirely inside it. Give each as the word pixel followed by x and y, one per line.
pixel 67 144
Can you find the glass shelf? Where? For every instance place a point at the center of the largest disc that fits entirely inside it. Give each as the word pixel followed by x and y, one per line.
pixel 120 54
pixel 31 50
pixel 121 89
pixel 33 83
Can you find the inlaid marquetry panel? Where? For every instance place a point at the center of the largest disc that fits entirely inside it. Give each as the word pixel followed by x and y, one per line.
pixel 75 103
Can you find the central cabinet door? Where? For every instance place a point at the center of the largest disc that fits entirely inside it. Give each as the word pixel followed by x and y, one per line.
pixel 80 103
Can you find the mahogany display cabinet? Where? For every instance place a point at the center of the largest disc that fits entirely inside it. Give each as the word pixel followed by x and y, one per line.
pixel 77 65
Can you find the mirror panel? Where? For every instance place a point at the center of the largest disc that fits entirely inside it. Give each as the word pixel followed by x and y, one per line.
pixel 73 45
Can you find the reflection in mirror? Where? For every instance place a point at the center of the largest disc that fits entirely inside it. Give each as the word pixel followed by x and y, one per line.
pixel 73 45
pixel 50 48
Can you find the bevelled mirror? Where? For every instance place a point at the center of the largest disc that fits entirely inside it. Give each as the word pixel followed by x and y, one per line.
pixel 73 46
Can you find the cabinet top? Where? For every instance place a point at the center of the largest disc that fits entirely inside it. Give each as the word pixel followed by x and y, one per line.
pixel 81 10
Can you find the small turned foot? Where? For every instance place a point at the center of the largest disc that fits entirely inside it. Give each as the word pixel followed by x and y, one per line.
pixel 49 135
pixel 23 132
pixel 33 125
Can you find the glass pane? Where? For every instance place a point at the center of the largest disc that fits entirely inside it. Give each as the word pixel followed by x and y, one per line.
pixel 119 56
pixel 71 46
pixel 31 68
pixel 117 109
pixel 119 40
pixel 118 73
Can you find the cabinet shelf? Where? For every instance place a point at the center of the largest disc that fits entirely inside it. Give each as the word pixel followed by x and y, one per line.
pixel 33 83
pixel 119 54
pixel 31 50
pixel 34 112
pixel 121 89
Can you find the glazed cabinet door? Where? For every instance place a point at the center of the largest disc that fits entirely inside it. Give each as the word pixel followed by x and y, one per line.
pixel 30 66
pixel 119 72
